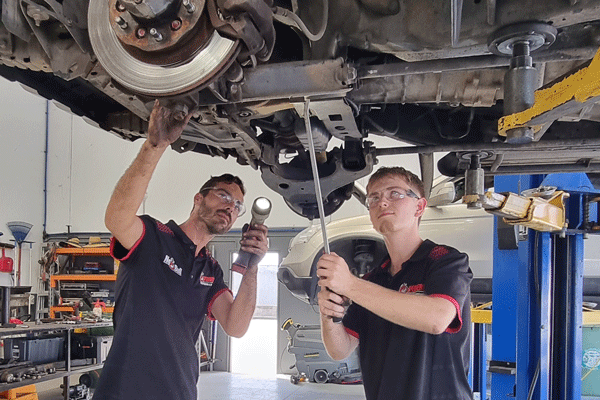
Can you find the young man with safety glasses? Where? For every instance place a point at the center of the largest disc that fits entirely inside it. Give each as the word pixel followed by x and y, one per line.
pixel 410 317
pixel 167 282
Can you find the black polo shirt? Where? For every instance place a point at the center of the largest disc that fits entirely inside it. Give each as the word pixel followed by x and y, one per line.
pixel 163 293
pixel 401 363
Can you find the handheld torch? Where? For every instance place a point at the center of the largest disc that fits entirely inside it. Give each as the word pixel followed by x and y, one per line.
pixel 261 208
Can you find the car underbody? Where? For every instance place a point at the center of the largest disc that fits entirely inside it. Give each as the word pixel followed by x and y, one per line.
pixel 434 75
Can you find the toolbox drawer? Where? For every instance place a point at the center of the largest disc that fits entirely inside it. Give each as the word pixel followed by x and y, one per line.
pixel 39 350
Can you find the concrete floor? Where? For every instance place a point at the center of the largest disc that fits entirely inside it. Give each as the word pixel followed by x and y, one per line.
pixel 226 386
pixel 51 390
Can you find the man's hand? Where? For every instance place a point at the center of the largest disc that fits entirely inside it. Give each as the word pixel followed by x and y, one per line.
pixel 334 274
pixel 166 125
pixel 255 241
pixel 330 304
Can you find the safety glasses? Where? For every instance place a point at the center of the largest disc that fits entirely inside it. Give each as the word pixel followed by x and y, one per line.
pixel 227 198
pixel 390 194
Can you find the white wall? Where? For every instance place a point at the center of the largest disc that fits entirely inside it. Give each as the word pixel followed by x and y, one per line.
pixel 85 162
pixel 22 127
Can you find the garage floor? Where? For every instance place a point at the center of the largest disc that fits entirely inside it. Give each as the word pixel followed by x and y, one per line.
pixel 244 387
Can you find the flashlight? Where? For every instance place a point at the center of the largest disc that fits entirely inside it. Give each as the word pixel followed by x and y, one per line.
pixel 260 211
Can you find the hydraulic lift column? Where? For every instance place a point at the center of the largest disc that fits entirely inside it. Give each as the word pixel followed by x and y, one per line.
pixel 513 323
pixel 537 299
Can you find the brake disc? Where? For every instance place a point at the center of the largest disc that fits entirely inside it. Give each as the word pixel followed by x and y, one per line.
pixel 160 63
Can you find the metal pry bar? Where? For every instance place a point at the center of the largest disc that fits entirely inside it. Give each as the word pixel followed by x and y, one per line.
pixel 315 172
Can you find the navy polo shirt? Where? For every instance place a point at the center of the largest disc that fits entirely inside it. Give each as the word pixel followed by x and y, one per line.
pixel 163 293
pixel 401 363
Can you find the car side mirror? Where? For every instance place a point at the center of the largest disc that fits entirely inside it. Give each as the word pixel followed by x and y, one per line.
pixel 442 194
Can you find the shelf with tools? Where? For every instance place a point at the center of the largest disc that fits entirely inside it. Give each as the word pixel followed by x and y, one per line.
pixel 48 351
pixel 86 277
pixel 62 278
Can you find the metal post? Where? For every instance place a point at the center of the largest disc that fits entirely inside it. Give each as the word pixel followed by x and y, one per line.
pixel 504 284
pixel 544 258
pixel 66 378
pixel 567 350
pixel 515 321
pixel 567 335
pixel 213 344
pixel 526 319
pixel 5 305
pixel 478 370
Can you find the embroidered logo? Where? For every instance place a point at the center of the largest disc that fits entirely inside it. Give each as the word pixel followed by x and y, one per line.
pixel 206 280
pixel 438 252
pixel 163 228
pixel 170 261
pixel 414 289
pixel 417 289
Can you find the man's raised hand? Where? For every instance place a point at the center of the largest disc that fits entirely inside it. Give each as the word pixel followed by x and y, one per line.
pixel 166 125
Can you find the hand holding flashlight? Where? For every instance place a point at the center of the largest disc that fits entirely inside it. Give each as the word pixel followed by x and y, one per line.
pixel 261 208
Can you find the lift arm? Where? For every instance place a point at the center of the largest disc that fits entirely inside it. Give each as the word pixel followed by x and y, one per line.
pixel 572 94
pixel 544 215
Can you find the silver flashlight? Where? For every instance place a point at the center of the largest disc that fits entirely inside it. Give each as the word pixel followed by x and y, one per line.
pixel 260 211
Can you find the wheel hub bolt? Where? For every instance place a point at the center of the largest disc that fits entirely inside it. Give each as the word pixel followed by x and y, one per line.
pixel 120 7
pixel 156 34
pixel 121 22
pixel 175 24
pixel 189 6
pixel 140 33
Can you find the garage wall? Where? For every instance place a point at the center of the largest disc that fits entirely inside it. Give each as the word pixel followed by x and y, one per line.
pixel 85 163
pixel 22 128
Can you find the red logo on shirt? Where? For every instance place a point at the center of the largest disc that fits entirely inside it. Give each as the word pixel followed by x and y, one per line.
pixel 416 289
pixel 438 252
pixel 207 280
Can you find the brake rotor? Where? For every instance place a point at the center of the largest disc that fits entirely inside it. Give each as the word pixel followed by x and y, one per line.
pixel 162 56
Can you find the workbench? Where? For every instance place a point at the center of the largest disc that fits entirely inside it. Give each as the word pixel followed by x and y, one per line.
pixel 32 330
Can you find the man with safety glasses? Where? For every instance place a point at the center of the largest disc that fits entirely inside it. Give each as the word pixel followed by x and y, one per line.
pixel 167 282
pixel 410 317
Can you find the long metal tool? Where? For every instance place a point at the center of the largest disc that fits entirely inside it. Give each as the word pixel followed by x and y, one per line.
pixel 315 172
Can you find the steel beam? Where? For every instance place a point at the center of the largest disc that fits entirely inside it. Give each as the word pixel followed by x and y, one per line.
pixel 297 80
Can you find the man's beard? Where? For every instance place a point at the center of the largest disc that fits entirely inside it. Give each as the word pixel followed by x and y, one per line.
pixel 214 229
pixel 206 215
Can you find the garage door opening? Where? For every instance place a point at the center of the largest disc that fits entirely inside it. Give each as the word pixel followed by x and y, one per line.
pixel 256 352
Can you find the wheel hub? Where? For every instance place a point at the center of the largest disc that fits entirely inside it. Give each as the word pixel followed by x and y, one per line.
pixel 154 29
pixel 158 48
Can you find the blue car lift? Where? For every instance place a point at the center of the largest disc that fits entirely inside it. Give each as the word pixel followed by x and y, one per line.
pixel 537 302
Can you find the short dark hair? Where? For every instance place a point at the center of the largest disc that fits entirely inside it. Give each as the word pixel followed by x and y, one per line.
pixel 413 180
pixel 225 178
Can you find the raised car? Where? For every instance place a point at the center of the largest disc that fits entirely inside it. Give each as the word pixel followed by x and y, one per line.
pixel 434 74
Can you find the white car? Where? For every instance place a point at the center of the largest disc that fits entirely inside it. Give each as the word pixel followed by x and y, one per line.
pixel 468 230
